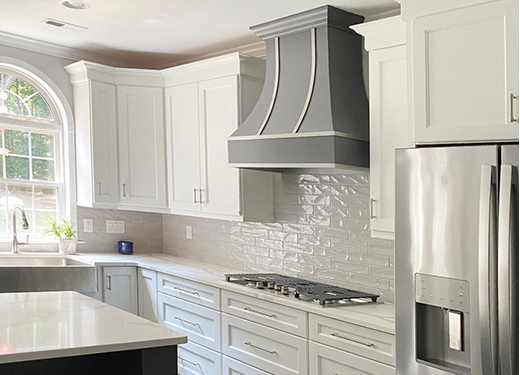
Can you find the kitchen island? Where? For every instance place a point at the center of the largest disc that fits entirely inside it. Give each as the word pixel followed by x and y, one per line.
pixel 68 333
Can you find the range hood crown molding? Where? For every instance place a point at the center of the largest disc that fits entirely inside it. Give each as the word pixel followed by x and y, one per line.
pixel 314 18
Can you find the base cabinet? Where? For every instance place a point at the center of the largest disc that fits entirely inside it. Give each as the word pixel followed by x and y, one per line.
pixel 120 288
pixel 231 366
pixel 194 359
pixel 325 360
pixel 147 294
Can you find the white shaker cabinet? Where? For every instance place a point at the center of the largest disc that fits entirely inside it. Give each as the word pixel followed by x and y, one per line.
pixel 120 287
pixel 464 70
pixel 205 103
pixel 142 154
pixel 147 294
pixel 96 139
pixel 385 40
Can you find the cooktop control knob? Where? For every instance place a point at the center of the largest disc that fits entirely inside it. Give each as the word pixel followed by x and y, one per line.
pixel 285 290
pixel 271 285
pixel 259 285
pixel 278 287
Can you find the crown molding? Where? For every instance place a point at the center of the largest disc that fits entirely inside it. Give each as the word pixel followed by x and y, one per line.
pixel 254 49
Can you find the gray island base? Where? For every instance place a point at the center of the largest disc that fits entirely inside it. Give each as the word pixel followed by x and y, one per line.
pixel 152 361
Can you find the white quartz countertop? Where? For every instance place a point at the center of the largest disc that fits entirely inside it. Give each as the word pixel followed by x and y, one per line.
pixel 378 316
pixel 60 324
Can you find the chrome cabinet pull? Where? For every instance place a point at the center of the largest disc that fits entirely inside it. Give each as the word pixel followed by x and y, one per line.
pixel 512 98
pixel 187 321
pixel 247 308
pixel 372 215
pixel 195 196
pixel 109 279
pixel 99 187
pixel 249 343
pixel 186 291
pixel 124 189
pixel 200 196
pixel 187 360
pixel 365 343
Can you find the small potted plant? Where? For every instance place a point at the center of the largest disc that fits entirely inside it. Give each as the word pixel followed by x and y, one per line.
pixel 65 232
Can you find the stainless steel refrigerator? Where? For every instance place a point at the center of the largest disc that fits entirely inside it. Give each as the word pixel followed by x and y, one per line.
pixel 456 259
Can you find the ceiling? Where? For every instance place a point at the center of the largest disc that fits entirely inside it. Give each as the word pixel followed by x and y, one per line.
pixel 161 33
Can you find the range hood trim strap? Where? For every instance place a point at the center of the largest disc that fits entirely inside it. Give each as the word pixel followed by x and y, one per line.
pixel 276 84
pixel 311 83
pixel 296 135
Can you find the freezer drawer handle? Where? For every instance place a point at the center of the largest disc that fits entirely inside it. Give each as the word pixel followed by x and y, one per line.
pixel 187 360
pixel 249 343
pixel 186 291
pixel 339 335
pixel 247 308
pixel 187 321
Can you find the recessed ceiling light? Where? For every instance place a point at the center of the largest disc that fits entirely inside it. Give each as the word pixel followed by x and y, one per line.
pixel 75 4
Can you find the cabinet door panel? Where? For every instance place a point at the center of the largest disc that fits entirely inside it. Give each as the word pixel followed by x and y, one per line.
pixel 147 292
pixel 325 360
pixel 104 142
pixel 388 131
pixel 465 66
pixel 182 120
pixel 120 288
pixel 218 100
pixel 141 146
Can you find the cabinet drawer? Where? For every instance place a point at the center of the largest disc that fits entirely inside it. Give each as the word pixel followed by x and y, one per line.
pixel 201 325
pixel 325 360
pixel 362 341
pixel 194 359
pixel 273 315
pixel 266 348
pixel 231 366
pixel 190 291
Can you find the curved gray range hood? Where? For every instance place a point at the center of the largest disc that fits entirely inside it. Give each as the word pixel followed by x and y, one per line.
pixel 313 109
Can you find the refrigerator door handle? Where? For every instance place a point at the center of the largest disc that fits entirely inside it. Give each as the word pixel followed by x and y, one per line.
pixel 486 248
pixel 505 270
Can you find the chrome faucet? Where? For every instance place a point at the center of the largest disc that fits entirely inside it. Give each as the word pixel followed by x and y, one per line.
pixel 25 226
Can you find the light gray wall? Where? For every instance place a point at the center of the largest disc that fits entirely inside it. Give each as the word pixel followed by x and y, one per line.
pixel 321 233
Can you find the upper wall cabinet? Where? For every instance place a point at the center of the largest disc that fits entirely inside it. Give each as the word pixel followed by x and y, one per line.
pixel 464 72
pixel 120 164
pixel 96 140
pixel 385 40
pixel 205 102
pixel 142 156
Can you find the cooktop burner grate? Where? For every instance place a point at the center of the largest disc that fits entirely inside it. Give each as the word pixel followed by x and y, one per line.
pixel 302 289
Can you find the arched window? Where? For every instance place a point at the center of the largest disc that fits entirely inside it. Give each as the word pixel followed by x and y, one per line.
pixel 31 152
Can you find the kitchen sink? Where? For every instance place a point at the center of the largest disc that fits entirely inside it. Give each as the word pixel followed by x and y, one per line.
pixel 43 273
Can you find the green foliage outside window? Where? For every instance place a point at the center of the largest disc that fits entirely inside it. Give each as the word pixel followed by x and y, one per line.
pixel 17 97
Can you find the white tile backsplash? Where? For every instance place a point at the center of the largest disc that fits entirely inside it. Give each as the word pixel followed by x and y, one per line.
pixel 143 229
pixel 321 233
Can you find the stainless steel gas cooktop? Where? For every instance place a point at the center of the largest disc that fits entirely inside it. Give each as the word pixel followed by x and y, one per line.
pixel 302 289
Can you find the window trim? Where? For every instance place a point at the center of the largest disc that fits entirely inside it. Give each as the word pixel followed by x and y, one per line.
pixel 63 125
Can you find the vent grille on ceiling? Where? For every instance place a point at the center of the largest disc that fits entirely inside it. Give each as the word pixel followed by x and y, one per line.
pixel 64 25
